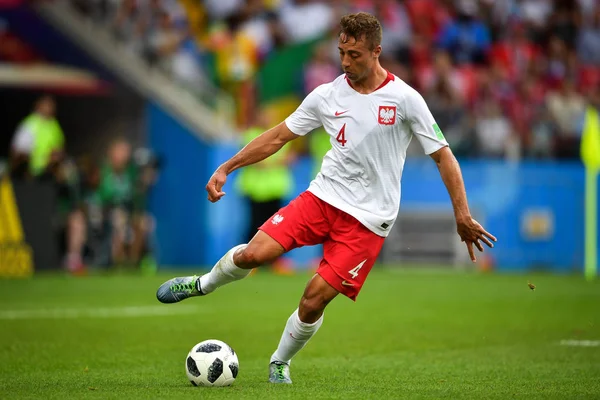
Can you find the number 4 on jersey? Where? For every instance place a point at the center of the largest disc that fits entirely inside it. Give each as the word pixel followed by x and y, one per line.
pixel 354 271
pixel 341 137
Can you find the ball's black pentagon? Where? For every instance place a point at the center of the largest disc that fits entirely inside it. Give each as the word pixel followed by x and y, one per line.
pixel 192 367
pixel 215 370
pixel 234 369
pixel 208 348
pixel 194 383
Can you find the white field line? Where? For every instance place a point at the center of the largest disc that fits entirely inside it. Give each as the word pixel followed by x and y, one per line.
pixel 95 312
pixel 580 343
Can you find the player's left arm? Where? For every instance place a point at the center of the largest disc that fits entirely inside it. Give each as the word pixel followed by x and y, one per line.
pixel 469 230
pixel 432 140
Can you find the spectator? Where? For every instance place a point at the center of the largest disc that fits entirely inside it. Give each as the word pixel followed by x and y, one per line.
pixel 525 109
pixel 164 42
pixel 498 13
pixel 588 43
pixel 71 217
pixel 262 26
pixel 543 130
pixel 449 111
pixel 320 68
pixel 443 70
pixel 38 144
pixel 566 107
pixel 222 9
pixel 535 13
pixel 502 88
pixel 466 38
pixel 587 9
pixel 494 132
pixel 127 27
pixel 564 21
pixel 557 62
pixel 427 18
pixel 97 246
pixel 514 52
pixel 237 60
pixel 395 22
pixel 305 20
pixel 122 194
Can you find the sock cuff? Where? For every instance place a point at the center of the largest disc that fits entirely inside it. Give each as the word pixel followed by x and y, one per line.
pixel 232 252
pixel 305 325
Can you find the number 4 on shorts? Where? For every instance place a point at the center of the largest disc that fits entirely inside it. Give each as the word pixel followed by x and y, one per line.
pixel 354 271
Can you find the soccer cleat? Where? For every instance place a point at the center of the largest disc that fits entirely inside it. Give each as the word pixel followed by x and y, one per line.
pixel 180 288
pixel 279 372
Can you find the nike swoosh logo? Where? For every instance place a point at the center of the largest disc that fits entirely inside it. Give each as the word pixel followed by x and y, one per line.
pixel 338 113
pixel 346 283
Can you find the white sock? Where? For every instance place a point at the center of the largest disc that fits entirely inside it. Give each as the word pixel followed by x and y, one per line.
pixel 295 335
pixel 225 271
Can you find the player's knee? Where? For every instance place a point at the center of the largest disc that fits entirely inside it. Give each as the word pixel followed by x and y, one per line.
pixel 251 257
pixel 311 308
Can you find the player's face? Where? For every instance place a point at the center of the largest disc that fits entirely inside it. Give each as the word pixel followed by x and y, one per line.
pixel 358 61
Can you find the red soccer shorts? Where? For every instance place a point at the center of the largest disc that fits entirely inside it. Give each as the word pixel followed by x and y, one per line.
pixel 349 248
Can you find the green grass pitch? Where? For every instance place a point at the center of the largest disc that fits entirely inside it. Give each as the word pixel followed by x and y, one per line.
pixel 412 334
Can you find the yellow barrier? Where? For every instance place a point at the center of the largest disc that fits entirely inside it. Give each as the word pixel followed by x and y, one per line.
pixel 16 256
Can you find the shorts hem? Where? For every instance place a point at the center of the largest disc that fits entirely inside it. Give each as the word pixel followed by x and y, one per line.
pixel 278 240
pixel 335 281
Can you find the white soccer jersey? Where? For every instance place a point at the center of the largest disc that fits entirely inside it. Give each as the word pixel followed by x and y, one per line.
pixel 370 133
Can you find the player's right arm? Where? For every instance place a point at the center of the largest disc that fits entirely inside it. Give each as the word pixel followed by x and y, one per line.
pixel 306 118
pixel 267 144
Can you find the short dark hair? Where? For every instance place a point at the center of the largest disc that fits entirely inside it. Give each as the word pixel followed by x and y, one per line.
pixel 362 25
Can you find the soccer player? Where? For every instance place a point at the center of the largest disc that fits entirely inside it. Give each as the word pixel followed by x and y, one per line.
pixel 351 205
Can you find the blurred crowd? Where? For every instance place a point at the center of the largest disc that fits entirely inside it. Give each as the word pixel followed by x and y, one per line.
pixel 506 79
pixel 100 204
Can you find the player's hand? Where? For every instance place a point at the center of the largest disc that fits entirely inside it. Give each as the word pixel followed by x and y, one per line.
pixel 472 233
pixel 215 184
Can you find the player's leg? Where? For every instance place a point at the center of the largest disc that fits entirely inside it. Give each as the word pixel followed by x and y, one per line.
pixel 240 260
pixel 348 256
pixel 236 264
pixel 304 322
pixel 300 223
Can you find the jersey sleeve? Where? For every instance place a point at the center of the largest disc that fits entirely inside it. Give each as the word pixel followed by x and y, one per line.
pixel 23 140
pixel 422 123
pixel 59 140
pixel 307 116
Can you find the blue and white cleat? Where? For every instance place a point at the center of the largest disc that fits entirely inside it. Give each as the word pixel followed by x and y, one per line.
pixel 180 288
pixel 279 372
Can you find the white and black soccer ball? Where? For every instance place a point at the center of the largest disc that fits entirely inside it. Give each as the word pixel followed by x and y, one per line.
pixel 212 363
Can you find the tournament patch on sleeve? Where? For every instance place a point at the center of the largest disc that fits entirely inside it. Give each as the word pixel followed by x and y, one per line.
pixel 438 132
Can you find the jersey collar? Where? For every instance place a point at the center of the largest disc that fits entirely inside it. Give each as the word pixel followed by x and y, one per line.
pixel 388 78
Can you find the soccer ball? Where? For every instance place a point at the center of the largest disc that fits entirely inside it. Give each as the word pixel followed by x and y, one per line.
pixel 211 363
